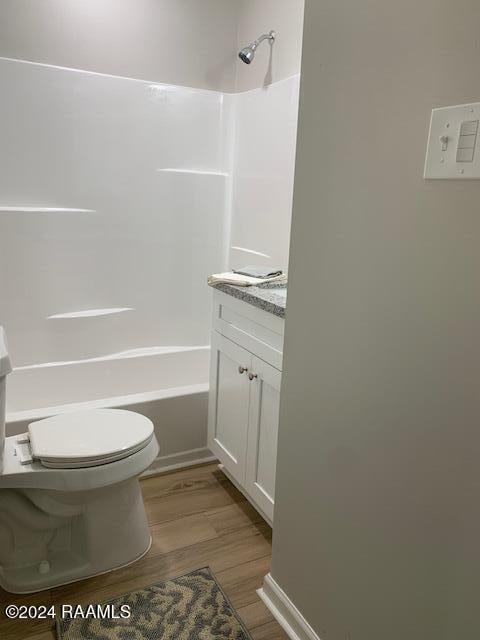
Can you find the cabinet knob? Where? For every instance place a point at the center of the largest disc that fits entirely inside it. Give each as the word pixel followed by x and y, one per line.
pixel 252 376
pixel 242 369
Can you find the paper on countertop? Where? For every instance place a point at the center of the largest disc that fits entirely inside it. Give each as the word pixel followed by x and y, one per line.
pixel 259 271
pixel 243 281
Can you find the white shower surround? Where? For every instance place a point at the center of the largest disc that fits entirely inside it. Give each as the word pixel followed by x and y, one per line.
pixel 264 167
pixel 117 198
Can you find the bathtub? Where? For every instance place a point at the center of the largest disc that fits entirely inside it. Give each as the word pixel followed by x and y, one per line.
pixel 169 385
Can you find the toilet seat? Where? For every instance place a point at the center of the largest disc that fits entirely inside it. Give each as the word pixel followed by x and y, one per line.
pixel 88 438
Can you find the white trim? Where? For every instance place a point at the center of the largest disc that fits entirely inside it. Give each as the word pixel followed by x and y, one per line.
pixel 15 209
pixel 266 87
pixel 284 611
pixel 175 461
pixel 252 252
pixel 90 313
pixel 152 83
pixel 120 355
pixel 197 172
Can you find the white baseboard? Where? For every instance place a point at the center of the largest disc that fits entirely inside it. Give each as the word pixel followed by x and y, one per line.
pixel 178 461
pixel 285 612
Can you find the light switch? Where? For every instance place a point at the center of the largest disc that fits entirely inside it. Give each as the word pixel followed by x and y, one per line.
pixel 469 128
pixel 466 142
pixel 465 155
pixel 452 145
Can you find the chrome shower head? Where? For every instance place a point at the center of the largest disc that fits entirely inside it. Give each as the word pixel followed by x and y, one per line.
pixel 247 54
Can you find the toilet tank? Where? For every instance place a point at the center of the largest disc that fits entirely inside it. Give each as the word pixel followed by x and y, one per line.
pixel 5 369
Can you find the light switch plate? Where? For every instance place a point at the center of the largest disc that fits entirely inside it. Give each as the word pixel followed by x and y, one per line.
pixel 444 161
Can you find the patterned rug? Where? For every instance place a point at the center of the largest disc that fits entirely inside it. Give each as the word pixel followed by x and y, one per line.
pixel 192 607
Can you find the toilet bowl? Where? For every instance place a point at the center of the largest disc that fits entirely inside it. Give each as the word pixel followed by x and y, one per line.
pixel 70 501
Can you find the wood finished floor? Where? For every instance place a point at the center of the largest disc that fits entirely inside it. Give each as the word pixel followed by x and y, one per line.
pixel 197 518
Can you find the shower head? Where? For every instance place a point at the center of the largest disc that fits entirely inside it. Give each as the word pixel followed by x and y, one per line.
pixel 247 54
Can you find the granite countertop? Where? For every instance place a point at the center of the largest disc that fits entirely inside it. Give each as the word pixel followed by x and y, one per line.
pixel 269 297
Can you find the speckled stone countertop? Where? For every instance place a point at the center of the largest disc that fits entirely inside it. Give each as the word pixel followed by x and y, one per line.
pixel 269 297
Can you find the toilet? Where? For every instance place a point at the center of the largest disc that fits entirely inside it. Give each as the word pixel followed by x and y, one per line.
pixel 70 500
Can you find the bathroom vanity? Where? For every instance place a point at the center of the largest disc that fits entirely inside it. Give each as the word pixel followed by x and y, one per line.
pixel 245 377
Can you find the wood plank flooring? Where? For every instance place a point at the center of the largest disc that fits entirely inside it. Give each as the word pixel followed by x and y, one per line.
pixel 197 518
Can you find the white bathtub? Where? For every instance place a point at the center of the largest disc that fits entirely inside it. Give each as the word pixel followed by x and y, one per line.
pixel 168 385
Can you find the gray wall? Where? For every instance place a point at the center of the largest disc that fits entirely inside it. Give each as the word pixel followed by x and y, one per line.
pixel 184 42
pixel 377 508
pixel 283 59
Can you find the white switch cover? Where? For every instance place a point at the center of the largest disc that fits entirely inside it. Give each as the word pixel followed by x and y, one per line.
pixel 454 143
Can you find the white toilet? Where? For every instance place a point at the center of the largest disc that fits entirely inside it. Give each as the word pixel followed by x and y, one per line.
pixel 70 500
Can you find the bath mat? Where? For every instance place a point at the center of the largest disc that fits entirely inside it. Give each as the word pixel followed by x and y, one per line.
pixel 192 607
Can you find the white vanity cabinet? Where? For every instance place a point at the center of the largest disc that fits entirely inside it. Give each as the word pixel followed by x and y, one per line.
pixel 246 361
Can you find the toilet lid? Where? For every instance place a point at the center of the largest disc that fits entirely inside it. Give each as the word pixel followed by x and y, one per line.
pixel 87 438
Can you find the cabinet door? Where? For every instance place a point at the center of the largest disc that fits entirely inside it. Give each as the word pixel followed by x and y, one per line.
pixel 262 435
pixel 229 405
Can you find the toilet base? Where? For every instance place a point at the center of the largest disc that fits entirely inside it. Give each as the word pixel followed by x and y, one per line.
pixel 52 538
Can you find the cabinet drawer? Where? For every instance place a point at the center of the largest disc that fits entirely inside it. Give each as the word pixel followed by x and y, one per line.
pixel 253 329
